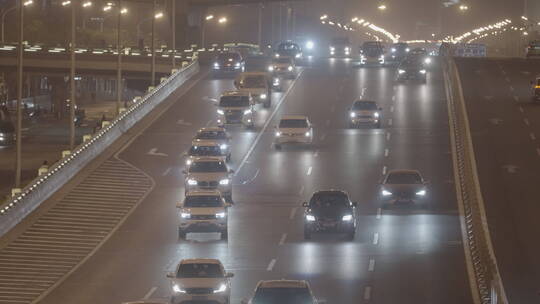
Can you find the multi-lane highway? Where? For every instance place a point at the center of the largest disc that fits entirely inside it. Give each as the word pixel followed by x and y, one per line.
pixel 505 126
pixel 403 254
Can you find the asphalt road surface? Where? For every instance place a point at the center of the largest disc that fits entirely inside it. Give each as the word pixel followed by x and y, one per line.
pixel 505 125
pixel 403 254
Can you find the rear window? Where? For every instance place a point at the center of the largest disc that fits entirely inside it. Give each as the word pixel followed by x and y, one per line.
pixel 203 201
pixel 234 101
pixel 365 105
pixel 293 123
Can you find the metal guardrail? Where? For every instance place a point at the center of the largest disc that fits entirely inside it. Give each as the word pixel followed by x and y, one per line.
pixel 485 280
pixel 17 208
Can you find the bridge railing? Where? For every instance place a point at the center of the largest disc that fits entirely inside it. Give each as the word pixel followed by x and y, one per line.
pixel 41 188
pixel 485 280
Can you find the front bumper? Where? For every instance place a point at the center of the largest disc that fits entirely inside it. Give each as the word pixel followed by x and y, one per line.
pixel 330 226
pixel 364 120
pixel 243 119
pixel 194 225
pixel 227 69
pixel 202 298
pixel 371 62
pixel 298 138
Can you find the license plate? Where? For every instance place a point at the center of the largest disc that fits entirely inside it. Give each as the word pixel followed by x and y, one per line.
pixel 200 298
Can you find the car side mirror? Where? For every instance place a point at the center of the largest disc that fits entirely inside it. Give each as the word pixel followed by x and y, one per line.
pixel 229 275
pixel 170 275
pixel 305 204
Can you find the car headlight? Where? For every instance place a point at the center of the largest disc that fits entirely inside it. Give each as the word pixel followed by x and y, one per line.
pixel 220 111
pixel 308 133
pixel 278 134
pixel 401 71
pixel 310 218
pixel 276 81
pixel 192 182
pixel 381 57
pixel 407 50
pixel 185 215
pixel 237 64
pixel 246 112
pixel 386 193
pixel 216 65
pixel 262 96
pixel 347 49
pixel 332 48
pixel 310 45
pixel 353 114
pixel 393 50
pixel 220 215
pixel 270 68
pixel 223 146
pixel 176 288
pixel 188 162
pixel 290 68
pixel 376 114
pixel 298 55
pixel 427 60
pixel 221 288
pixel 276 55
pixel 224 182
pixel 421 193
pixel 347 218
pixel 422 71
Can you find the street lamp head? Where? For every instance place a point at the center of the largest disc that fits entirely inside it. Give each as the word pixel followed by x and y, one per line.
pixel 158 15
pixel 382 7
pixel 209 17
pixel 123 11
pixel 463 7
pixel 66 3
pixel 222 20
pixel 107 8
pixel 28 2
pixel 87 4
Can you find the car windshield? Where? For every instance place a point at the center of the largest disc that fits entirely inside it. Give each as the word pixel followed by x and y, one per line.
pixel 404 178
pixel 282 296
pixel 411 63
pixel 282 60
pixel 254 82
pixel 199 270
pixel 365 105
pixel 234 101
pixel 228 57
pixel 329 200
pixel 211 135
pixel 293 123
pixel 205 151
pixel 203 201
pixel 288 47
pixel 207 166
pixel 372 49
pixel 340 41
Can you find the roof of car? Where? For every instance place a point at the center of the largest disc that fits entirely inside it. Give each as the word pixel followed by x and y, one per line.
pixel 212 129
pixel 235 93
pixel 283 284
pixel 205 142
pixel 203 193
pixel 330 191
pixel 199 261
pixel 403 171
pixel 285 117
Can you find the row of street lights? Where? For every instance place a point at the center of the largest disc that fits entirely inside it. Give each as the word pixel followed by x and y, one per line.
pixel 72 104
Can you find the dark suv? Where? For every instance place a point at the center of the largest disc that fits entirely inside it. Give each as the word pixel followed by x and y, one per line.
pixel 330 211
pixel 227 63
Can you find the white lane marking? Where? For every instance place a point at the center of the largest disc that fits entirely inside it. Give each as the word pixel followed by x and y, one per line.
pixel 386 151
pixel 209 122
pixel 521 109
pixel 363 92
pixel 301 192
pixel 266 125
pixel 516 98
pixel 183 123
pixel 308 173
pixel 154 152
pixel 526 121
pixel 150 293
pixel 282 240
pixel 367 293
pixel 525 72
pixel 388 136
pixel 390 121
pixel 507 79
pixel 316 154
pixel 167 171
pixel 533 137
pixel 253 178
pixel 379 213
pixel 293 213
pixel 512 88
pixel 323 137
pixel 510 168
pixel 271 265
pixel 375 238
pixel 371 266
pixel 392 109
pixel 384 170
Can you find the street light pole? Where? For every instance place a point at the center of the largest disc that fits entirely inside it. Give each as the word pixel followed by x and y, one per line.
pixel 153 68
pixel 4 19
pixel 72 103
pixel 119 61
pixel 173 33
pixel 259 33
pixel 19 97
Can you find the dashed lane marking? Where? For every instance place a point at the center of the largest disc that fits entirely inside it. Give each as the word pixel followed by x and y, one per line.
pixel 371 266
pixel 367 293
pixel 516 98
pixel 512 88
pixel 379 213
pixel 282 240
pixel 70 231
pixel 384 170
pixel 526 121
pixel 521 109
pixel 150 293
pixel 375 238
pixel 293 213
pixel 271 265
pixel 301 192
pixel 308 173
pixel 532 136
pixel 392 109
pixel 386 152
pixel 388 136
pixel 390 121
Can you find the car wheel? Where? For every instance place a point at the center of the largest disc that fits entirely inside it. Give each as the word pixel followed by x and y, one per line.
pixel 225 234
pixel 181 234
pixel 352 125
pixel 378 125
pixel 278 146
pixel 267 103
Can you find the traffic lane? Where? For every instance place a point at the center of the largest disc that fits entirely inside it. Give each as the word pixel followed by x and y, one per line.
pixel 502 146
pixel 116 282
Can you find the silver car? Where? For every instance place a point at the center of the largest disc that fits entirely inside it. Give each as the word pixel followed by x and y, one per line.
pixel 404 186
pixel 209 173
pixel 365 112
pixel 293 129
pixel 236 107
pixel 201 148
pixel 216 134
